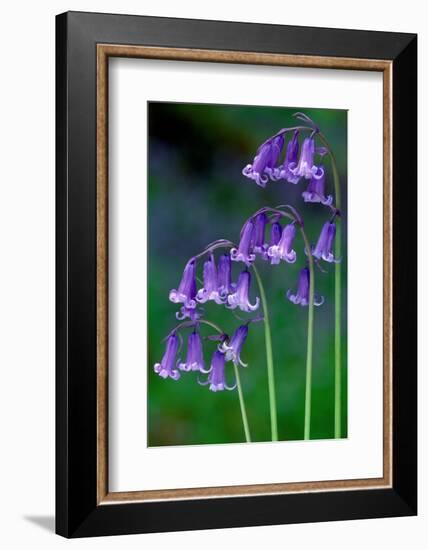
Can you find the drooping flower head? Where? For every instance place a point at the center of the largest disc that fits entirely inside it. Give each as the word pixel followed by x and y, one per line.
pixel 265 161
pixel 283 250
pixel 305 167
pixel 302 295
pixel 232 348
pixel 315 191
pixel 324 246
pixel 259 233
pixel 186 292
pixel 167 367
pixel 224 277
pixel 290 162
pixel 195 356
pixel 244 252
pixel 210 288
pixel 240 298
pixel 216 377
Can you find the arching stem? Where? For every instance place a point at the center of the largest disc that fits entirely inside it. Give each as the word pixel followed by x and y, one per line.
pixel 269 359
pixel 337 300
pixel 309 344
pixel 242 405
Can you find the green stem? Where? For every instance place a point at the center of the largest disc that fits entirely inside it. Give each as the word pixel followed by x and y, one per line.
pixel 242 405
pixel 309 345
pixel 193 323
pixel 337 301
pixel 269 358
pixel 337 341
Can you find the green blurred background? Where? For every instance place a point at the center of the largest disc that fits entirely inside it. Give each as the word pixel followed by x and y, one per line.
pixel 197 194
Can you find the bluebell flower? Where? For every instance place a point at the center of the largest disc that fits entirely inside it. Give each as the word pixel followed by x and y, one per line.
pixel 259 234
pixel 167 367
pixel 324 246
pixel 285 171
pixel 305 167
pixel 240 298
pixel 186 292
pixel 275 237
pixel 195 356
pixel 283 250
pixel 302 295
pixel 224 277
pixel 216 377
pixel 232 348
pixel 265 161
pixel 315 191
pixel 210 290
pixel 244 252
pixel 275 233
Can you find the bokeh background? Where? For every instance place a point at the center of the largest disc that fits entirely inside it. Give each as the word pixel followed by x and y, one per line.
pixel 197 194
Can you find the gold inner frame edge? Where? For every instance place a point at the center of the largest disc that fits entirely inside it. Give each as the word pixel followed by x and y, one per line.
pixel 104 51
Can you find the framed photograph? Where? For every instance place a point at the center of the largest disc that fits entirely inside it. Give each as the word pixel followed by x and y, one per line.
pixel 236 245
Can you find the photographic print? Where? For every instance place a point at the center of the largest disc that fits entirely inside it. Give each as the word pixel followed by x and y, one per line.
pixel 247 274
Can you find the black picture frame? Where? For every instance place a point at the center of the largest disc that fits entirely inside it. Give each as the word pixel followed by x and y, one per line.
pixel 78 513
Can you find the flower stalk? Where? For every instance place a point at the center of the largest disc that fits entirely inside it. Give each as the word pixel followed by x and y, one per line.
pixel 309 343
pixel 242 405
pixel 269 358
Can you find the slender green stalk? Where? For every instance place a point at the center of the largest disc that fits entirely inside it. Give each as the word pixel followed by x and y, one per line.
pixel 337 301
pixel 269 358
pixel 309 345
pixel 337 341
pixel 242 405
pixel 238 379
pixel 201 321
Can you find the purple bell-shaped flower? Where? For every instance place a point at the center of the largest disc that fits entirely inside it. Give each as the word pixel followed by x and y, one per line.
pixel 195 356
pixel 240 298
pixel 244 252
pixel 283 250
pixel 265 161
pixel 305 167
pixel 285 171
pixel 216 377
pixel 210 289
pixel 186 292
pixel 324 247
pixel 232 348
pixel 302 295
pixel 167 367
pixel 224 277
pixel 315 191
pixel 259 234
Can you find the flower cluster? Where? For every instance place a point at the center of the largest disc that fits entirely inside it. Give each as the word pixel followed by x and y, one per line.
pixel 267 162
pixel 279 248
pixel 298 162
pixel 269 234
pixel 217 285
pixel 229 349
